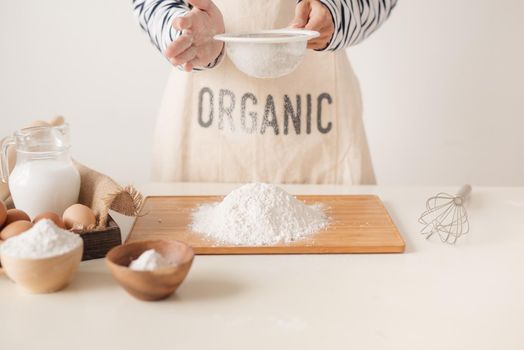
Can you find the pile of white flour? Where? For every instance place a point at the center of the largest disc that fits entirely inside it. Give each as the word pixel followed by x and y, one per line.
pixel 43 240
pixel 258 214
pixel 148 261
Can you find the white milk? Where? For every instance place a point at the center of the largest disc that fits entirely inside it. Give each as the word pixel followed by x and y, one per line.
pixel 38 186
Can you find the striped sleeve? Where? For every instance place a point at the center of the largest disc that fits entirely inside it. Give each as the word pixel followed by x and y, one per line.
pixel 155 18
pixel 355 20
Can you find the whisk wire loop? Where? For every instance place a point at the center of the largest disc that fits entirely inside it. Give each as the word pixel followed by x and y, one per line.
pixel 446 215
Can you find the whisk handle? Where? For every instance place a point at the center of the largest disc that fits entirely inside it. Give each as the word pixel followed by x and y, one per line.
pixel 464 191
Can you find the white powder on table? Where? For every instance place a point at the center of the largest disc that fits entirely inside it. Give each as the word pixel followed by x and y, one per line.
pixel 258 214
pixel 148 261
pixel 43 240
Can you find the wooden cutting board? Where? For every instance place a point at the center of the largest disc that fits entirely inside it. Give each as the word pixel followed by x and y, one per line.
pixel 359 224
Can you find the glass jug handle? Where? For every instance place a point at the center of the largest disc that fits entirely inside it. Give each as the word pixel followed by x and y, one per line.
pixel 4 169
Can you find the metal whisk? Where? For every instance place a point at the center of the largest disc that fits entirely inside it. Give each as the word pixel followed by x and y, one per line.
pixel 446 215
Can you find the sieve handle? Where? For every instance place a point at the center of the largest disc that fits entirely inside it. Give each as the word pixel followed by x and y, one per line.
pixel 464 192
pixel 4 166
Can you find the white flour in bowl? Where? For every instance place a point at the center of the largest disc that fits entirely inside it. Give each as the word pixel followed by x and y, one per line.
pixel 43 240
pixel 258 214
pixel 148 261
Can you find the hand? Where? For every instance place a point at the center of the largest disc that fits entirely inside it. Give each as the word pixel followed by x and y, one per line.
pixel 196 46
pixel 314 15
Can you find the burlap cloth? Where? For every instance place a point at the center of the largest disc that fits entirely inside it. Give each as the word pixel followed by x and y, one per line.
pixel 97 191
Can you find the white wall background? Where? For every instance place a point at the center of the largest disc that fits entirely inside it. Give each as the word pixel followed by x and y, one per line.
pixel 442 84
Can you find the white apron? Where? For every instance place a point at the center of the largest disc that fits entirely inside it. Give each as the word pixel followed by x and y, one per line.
pixel 220 125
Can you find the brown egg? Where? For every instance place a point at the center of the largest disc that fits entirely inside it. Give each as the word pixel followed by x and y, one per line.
pixel 3 213
pixel 37 123
pixel 79 217
pixel 56 121
pixel 51 216
pixel 16 215
pixel 15 228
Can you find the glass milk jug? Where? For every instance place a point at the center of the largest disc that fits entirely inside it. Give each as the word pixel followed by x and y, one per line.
pixel 44 178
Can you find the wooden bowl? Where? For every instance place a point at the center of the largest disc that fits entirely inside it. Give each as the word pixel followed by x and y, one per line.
pixel 151 285
pixel 45 275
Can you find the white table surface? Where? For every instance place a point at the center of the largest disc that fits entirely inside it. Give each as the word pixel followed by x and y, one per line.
pixel 434 296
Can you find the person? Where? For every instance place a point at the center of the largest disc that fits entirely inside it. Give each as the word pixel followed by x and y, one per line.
pixel 217 124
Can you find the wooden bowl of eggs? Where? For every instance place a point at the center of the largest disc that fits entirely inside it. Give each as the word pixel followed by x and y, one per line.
pixel 150 270
pixel 15 221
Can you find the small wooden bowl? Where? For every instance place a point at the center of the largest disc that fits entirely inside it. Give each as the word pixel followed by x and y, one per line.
pixel 151 285
pixel 45 275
